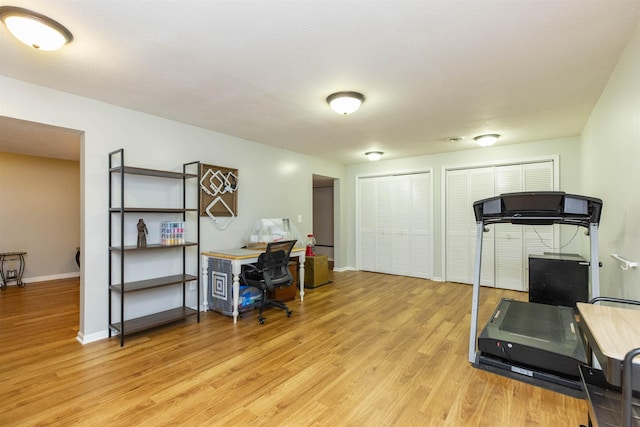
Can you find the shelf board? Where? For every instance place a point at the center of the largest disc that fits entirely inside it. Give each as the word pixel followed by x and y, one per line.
pixel 150 247
pixel 154 283
pixel 152 172
pixel 152 210
pixel 132 326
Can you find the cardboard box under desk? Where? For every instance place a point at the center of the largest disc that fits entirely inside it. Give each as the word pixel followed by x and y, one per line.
pixel 316 271
pixel 288 293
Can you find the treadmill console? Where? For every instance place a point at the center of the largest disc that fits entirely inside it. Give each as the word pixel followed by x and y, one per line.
pixel 539 207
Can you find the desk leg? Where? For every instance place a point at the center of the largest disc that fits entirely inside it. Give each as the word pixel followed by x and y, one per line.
pixel 235 269
pixel 301 262
pixel 205 276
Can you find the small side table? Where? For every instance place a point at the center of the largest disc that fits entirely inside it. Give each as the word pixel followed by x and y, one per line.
pixel 17 274
pixel 316 271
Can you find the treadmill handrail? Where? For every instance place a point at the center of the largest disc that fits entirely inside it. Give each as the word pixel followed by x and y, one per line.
pixel 539 207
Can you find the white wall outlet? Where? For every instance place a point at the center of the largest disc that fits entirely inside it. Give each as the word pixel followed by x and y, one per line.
pixel 192 286
pixel 299 218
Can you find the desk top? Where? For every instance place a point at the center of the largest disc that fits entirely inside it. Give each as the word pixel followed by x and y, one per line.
pixel 615 330
pixel 3 254
pixel 237 253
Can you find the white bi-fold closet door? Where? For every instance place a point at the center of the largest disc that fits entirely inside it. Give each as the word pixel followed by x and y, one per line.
pixel 395 233
pixel 506 247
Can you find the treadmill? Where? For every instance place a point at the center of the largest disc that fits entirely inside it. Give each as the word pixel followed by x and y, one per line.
pixel 535 343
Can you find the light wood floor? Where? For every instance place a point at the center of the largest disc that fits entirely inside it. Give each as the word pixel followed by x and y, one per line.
pixel 367 350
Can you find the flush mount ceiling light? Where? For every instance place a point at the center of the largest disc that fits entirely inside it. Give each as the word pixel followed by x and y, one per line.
pixel 487 140
pixel 345 102
pixel 374 155
pixel 34 29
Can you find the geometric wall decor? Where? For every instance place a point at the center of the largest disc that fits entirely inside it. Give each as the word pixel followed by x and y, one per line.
pixel 219 194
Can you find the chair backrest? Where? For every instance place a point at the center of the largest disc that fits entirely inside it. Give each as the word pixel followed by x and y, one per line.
pixel 274 263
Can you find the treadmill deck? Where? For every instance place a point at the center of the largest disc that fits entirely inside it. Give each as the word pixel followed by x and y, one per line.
pixel 535 335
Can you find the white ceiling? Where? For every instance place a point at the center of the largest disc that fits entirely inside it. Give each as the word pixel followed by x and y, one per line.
pixel 262 69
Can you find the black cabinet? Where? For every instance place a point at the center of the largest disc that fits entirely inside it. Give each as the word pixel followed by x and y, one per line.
pixel 558 279
pixel 126 259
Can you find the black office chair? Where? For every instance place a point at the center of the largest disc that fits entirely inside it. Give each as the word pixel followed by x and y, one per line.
pixel 270 272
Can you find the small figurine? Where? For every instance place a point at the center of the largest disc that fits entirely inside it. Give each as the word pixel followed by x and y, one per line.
pixel 142 234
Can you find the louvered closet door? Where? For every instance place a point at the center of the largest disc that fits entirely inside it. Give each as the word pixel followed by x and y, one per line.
pixel 384 225
pixel 505 247
pixel 481 186
pixel 509 241
pixel 538 239
pixel 458 211
pixel 463 188
pixel 401 230
pixel 516 242
pixel 421 225
pixel 367 253
pixel 395 232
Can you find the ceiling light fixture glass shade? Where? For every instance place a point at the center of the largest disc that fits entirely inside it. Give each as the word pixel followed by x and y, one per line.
pixel 487 140
pixel 345 102
pixel 374 155
pixel 34 29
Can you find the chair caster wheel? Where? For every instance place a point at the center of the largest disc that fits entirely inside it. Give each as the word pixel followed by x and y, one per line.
pixel 289 313
pixel 262 321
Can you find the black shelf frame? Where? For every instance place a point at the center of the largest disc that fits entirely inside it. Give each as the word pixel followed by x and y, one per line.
pixel 134 325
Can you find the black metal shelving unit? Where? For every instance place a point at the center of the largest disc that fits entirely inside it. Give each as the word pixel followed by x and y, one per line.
pixel 119 253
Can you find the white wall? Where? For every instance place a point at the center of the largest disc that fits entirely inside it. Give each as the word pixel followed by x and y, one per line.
pixel 273 182
pixel 611 171
pixel 567 149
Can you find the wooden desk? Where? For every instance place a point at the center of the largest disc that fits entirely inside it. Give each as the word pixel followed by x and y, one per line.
pixel 612 332
pixel 238 257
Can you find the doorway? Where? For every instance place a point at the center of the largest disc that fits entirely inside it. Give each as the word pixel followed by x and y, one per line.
pixel 323 216
pixel 41 176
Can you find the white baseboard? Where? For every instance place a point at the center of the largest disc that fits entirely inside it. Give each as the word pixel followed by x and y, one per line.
pixel 435 279
pixel 96 336
pixel 51 277
pixel 339 269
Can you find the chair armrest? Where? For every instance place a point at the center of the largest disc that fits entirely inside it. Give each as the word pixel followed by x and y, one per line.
pixel 250 273
pixel 251 267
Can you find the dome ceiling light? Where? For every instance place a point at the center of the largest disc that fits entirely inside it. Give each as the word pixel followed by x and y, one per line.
pixel 33 29
pixel 374 156
pixel 487 140
pixel 345 102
